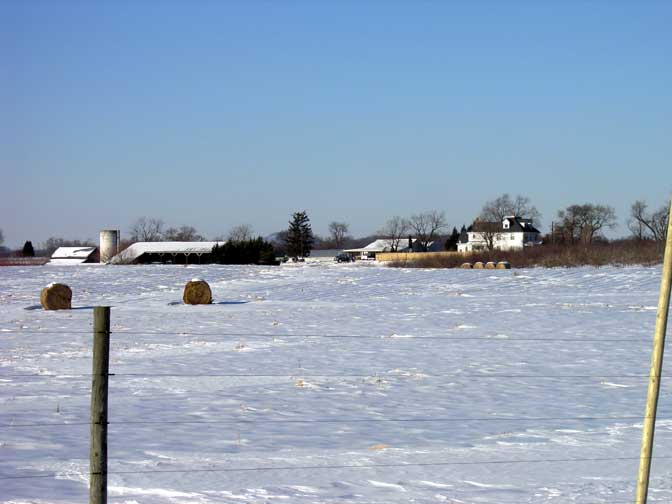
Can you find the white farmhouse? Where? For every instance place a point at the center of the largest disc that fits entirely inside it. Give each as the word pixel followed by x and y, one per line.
pixel 512 233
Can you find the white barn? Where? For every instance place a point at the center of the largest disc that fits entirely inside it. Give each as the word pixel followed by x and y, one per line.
pixel 68 256
pixel 166 252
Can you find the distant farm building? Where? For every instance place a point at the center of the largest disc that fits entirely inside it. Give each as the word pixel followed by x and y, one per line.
pixel 385 245
pixel 510 234
pixel 67 256
pixel 166 253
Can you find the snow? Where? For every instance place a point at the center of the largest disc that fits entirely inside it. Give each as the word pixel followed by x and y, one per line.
pixel 73 252
pixel 66 262
pixel 335 383
pixel 70 256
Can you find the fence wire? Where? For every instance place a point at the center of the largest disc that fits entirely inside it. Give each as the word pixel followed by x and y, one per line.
pixel 299 373
pixel 344 466
pixel 343 421
pixel 442 337
pixel 383 374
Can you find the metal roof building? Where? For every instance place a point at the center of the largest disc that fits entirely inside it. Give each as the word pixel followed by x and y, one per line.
pixel 70 256
pixel 166 252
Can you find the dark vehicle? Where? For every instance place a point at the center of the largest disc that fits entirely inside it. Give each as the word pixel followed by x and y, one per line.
pixel 342 257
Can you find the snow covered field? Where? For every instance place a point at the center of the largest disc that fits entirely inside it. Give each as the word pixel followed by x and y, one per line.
pixel 324 383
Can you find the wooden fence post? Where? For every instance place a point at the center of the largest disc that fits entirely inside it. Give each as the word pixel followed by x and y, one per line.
pixel 655 372
pixel 99 387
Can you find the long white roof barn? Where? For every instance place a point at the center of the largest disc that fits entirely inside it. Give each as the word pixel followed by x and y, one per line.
pixel 133 253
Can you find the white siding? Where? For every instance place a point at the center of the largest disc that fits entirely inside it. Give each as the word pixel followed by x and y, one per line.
pixel 503 241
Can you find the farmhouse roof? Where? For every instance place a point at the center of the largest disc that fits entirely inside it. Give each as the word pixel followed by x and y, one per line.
pixel 520 225
pixel 516 225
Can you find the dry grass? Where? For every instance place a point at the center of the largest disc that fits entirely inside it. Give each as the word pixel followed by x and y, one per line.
pixel 23 261
pixel 616 253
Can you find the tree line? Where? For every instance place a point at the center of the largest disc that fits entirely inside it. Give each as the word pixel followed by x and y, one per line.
pixel 44 249
pixel 583 223
pixel 576 224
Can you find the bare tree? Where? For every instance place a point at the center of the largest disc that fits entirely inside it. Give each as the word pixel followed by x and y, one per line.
pixel 2 237
pixel 242 232
pixel 585 222
pixel 503 206
pixel 595 218
pixel 488 231
pixel 660 222
pixel 171 234
pixel 395 230
pixel 52 243
pixel 338 232
pixel 644 225
pixel 182 234
pixel 426 226
pixel 570 226
pixel 636 222
pixel 147 230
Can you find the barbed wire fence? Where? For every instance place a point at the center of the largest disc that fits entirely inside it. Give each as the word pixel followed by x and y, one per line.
pixel 300 373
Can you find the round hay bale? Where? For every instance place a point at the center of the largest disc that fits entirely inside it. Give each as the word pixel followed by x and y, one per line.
pixel 490 265
pixel 478 265
pixel 466 266
pixel 197 291
pixel 56 296
pixel 503 265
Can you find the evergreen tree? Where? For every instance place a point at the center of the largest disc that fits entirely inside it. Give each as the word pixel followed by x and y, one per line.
pixel 453 240
pixel 28 250
pixel 299 237
pixel 252 251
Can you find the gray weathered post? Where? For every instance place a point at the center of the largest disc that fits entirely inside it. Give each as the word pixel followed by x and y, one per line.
pixel 655 372
pixel 99 387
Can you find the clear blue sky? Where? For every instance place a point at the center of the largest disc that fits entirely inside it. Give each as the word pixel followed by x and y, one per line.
pixel 217 113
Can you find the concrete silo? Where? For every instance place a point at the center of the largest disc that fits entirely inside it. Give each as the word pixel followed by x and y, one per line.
pixel 109 244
